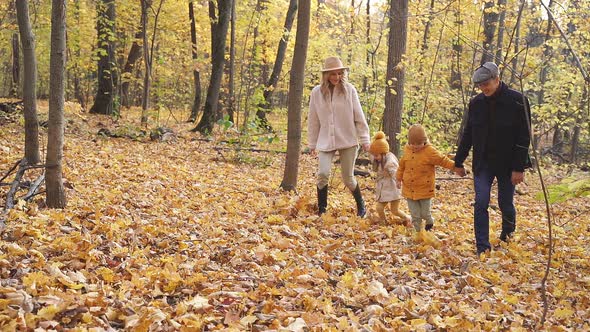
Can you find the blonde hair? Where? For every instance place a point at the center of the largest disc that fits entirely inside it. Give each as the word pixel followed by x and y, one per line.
pixel 325 84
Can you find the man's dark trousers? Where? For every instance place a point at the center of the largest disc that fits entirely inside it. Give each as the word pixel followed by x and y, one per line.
pixel 483 184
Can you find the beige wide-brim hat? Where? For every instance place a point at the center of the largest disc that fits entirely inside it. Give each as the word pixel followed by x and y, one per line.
pixel 333 63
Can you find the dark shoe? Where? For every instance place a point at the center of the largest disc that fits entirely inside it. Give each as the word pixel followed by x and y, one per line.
pixel 322 200
pixel 505 236
pixel 360 203
pixel 428 227
pixel 483 252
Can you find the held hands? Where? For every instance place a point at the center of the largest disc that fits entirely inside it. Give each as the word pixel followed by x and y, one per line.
pixel 517 177
pixel 460 171
pixel 366 147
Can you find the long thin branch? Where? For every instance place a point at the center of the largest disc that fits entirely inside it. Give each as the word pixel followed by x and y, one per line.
pixel 547 206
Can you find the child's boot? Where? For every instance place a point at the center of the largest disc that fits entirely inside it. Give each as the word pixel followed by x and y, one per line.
pixel 381 210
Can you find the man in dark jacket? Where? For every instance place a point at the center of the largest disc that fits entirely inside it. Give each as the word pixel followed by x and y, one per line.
pixel 498 130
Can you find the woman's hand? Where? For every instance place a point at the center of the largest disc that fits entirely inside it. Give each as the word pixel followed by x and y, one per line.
pixel 366 147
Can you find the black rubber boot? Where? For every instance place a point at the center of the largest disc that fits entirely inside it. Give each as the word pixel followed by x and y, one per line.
pixel 360 203
pixel 322 200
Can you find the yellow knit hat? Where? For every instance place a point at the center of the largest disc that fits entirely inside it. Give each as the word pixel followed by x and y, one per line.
pixel 379 144
pixel 417 135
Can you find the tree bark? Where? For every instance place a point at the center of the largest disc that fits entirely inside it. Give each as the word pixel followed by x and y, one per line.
pixel 219 26
pixel 232 66
pixel 296 82
pixel 490 19
pixel 367 42
pixel 135 53
pixel 501 28
pixel 271 85
pixel 514 61
pixel 29 83
pixel 55 193
pixel 145 100
pixel 15 66
pixel 105 101
pixel 196 73
pixel 394 91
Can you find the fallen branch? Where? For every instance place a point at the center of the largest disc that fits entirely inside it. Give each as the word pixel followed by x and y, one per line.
pixel 34 186
pixel 217 148
pixel 15 184
pixel 10 170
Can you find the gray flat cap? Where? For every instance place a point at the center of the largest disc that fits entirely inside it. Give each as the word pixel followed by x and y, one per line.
pixel 485 72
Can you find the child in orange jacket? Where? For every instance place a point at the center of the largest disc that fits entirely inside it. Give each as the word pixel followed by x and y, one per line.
pixel 416 175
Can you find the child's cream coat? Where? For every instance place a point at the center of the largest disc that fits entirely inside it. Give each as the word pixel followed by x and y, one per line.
pixel 386 186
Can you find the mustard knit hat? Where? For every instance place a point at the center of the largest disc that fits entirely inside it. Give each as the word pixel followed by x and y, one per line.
pixel 417 135
pixel 379 144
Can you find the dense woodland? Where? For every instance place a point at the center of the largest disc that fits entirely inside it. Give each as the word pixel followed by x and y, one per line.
pixel 170 135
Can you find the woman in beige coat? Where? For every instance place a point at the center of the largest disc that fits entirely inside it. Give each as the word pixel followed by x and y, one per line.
pixel 336 123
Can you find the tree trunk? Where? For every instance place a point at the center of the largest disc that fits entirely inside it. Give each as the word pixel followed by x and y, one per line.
pixel 77 72
pixel 29 83
pixel 501 28
pixel 196 74
pixel 394 91
pixel 15 65
pixel 367 42
pixel 296 81
pixel 514 62
pixel 135 53
pixel 490 18
pixel 55 193
pixel 271 85
pixel 105 101
pixel 427 28
pixel 351 33
pixel 145 100
pixel 219 27
pixel 232 65
pixel 547 55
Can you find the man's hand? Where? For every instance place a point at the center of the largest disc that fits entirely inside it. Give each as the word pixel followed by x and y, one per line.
pixel 517 177
pixel 460 171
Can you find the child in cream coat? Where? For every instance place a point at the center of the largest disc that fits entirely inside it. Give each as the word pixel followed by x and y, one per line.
pixel 385 164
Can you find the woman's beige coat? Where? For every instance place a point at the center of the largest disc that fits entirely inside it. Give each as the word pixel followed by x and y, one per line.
pixel 338 123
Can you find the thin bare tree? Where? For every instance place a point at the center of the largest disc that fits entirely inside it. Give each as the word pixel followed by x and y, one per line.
pixel 196 73
pixel 394 91
pixel 55 193
pixel 106 94
pixel 219 13
pixel 296 80
pixel 271 85
pixel 29 83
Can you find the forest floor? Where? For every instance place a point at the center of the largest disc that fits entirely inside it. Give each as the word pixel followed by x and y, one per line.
pixel 193 234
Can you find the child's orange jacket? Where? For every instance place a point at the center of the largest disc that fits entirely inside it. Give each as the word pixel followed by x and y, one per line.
pixel 416 171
